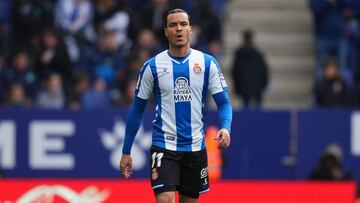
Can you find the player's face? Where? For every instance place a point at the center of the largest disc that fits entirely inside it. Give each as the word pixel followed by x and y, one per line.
pixel 178 30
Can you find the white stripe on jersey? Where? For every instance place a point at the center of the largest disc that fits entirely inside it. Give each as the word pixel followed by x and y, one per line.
pixel 197 79
pixel 145 86
pixel 215 79
pixel 164 70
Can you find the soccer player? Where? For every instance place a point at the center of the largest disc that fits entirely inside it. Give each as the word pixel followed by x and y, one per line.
pixel 179 78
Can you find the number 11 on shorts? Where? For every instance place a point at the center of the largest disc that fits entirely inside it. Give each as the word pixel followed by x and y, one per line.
pixel 156 159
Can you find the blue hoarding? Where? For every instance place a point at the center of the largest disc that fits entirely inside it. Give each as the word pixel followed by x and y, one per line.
pixel 39 143
pixel 319 128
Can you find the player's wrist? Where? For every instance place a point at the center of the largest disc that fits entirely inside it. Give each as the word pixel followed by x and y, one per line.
pixel 226 129
pixel 125 152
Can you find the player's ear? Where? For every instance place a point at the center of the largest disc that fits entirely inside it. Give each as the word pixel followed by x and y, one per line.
pixel 165 31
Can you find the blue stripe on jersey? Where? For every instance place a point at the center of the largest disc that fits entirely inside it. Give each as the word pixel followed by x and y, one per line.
pixel 207 60
pixel 158 134
pixel 182 105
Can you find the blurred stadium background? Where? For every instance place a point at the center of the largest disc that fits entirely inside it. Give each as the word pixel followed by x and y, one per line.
pixel 68 69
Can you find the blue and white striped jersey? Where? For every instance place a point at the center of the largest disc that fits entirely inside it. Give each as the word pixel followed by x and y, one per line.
pixel 179 86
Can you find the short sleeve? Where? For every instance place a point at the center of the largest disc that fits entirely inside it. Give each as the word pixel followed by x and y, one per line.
pixel 217 81
pixel 145 83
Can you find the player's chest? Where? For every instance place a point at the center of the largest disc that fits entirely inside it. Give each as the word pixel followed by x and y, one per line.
pixel 180 78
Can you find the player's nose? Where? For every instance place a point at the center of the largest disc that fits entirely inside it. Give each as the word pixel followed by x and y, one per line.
pixel 178 27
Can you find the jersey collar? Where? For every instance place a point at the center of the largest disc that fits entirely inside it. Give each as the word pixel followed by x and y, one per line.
pixel 179 59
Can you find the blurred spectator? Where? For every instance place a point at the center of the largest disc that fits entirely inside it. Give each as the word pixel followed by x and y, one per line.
pixel 331 89
pixel 3 75
pixel 249 71
pixel 146 45
pixel 139 5
pixel 16 97
pixel 97 97
pixel 61 37
pixel 2 65
pixel 80 84
pixel 20 71
pixel 355 7
pixel 2 78
pixel 52 56
pixel 111 15
pixel 51 95
pixel 106 61
pixel 153 18
pixel 357 86
pixel 74 18
pixel 214 48
pixel 329 166
pixel 218 6
pixel 134 63
pixel 206 26
pixel 4 26
pixel 28 19
pixel 328 27
pixel 129 93
pixel 350 50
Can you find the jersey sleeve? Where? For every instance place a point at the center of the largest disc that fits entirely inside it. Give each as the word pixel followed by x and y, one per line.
pixel 133 123
pixel 145 83
pixel 217 81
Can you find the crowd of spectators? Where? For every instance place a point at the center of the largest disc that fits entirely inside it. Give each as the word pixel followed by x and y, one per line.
pixel 86 54
pixel 337 48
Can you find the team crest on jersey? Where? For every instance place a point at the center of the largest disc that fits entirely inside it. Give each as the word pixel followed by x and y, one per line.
pixel 197 69
pixel 182 90
pixel 154 174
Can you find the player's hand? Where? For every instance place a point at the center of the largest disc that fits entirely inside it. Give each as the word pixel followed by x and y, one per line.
pixel 223 137
pixel 126 165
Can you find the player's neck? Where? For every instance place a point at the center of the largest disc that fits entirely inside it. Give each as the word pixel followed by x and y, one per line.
pixel 179 51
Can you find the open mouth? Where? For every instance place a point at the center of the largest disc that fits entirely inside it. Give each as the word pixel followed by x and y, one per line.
pixel 179 36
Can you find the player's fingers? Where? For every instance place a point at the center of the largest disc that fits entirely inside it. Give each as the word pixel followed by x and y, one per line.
pixel 122 170
pixel 223 137
pixel 224 142
pixel 127 172
pixel 129 166
pixel 222 145
pixel 125 168
pixel 227 138
pixel 122 166
pixel 218 136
